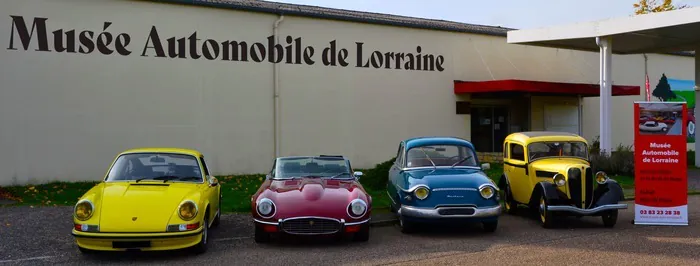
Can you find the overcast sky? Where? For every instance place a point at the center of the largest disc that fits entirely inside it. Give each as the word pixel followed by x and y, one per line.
pixel 519 14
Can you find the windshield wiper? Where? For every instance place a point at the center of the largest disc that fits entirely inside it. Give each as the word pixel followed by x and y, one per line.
pixel 426 155
pixel 461 161
pixel 143 178
pixel 346 173
pixel 166 178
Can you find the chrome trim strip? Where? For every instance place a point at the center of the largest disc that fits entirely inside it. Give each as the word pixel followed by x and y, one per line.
pixel 454 188
pixel 264 222
pixel 432 213
pixel 440 167
pixel 360 222
pixel 311 217
pixel 392 199
pixel 587 211
pixel 413 188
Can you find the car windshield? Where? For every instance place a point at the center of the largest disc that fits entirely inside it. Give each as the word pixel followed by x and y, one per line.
pixel 539 150
pixel 440 155
pixel 156 166
pixel 319 167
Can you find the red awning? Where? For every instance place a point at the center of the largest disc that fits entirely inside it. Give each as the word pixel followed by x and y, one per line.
pixel 515 85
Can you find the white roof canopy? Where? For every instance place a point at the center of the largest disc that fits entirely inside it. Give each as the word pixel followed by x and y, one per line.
pixel 670 31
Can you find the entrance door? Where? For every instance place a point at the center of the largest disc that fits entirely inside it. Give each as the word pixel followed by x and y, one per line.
pixel 489 128
pixel 564 118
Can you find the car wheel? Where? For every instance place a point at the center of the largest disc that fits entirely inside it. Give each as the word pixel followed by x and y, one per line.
pixel 509 204
pixel 610 218
pixel 261 236
pixel 406 226
pixel 546 218
pixel 201 247
pixel 217 219
pixel 363 234
pixel 490 226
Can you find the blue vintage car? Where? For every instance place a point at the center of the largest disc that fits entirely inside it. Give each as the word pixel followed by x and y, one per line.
pixel 438 179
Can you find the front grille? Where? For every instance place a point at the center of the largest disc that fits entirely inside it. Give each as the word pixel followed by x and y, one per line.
pixel 454 211
pixel 589 186
pixel 310 226
pixel 574 175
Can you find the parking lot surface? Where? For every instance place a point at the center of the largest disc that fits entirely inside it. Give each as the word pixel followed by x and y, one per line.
pixel 41 236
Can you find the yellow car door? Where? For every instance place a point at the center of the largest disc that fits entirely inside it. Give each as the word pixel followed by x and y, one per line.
pixel 517 172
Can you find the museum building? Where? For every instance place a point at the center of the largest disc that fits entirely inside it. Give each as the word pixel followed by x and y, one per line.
pixel 246 81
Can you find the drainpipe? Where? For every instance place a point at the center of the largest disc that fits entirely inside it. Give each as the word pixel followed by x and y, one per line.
pixel 276 95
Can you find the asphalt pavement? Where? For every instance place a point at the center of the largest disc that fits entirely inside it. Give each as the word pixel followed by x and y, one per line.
pixel 41 236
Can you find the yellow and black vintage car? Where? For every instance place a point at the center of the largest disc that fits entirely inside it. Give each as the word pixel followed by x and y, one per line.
pixel 551 173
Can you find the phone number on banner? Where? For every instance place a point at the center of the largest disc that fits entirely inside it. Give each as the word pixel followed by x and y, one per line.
pixel 659 212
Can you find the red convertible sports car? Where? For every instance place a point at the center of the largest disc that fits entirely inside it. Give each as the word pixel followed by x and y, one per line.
pixel 311 195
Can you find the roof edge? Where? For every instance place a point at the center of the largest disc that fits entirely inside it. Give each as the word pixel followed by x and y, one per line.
pixel 299 10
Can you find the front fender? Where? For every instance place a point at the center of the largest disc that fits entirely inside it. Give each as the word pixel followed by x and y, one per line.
pixel 551 193
pixel 609 192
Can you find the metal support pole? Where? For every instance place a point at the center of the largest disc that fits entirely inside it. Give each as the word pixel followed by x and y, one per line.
pixel 697 99
pixel 605 44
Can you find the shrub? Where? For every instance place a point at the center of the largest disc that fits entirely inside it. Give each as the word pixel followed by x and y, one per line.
pixel 377 177
pixel 618 162
pixel 691 158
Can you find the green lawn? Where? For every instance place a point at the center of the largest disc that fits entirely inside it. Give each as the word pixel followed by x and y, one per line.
pixel 236 190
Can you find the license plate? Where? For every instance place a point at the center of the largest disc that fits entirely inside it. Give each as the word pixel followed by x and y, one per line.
pixel 131 244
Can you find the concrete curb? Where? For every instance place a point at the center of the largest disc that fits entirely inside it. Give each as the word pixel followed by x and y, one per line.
pixel 383 222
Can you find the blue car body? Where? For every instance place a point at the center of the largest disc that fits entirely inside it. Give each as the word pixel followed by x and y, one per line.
pixel 453 191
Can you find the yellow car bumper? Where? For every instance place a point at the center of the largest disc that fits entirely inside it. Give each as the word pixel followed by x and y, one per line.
pixel 137 241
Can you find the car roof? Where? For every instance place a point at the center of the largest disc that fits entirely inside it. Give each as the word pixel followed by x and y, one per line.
pixel 436 140
pixel 164 150
pixel 530 136
pixel 340 157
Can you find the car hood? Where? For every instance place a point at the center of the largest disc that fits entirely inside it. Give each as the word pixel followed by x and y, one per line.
pixel 446 178
pixel 557 165
pixel 313 197
pixel 140 207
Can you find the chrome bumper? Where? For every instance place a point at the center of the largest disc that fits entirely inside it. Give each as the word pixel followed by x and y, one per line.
pixel 587 211
pixel 431 213
pixel 342 221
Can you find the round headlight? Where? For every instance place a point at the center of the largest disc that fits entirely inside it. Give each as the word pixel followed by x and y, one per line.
pixel 487 191
pixel 601 177
pixel 266 208
pixel 421 193
pixel 559 180
pixel 187 210
pixel 83 210
pixel 357 208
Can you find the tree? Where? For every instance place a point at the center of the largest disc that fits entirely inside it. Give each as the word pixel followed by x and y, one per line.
pixel 651 6
pixel 663 90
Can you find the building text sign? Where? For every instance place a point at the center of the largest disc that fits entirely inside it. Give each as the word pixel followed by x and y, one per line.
pixel 37 34
pixel 661 178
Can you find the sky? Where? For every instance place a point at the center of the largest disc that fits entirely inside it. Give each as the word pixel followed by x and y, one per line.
pixel 517 14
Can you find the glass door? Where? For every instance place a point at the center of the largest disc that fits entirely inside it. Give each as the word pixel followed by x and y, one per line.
pixel 489 128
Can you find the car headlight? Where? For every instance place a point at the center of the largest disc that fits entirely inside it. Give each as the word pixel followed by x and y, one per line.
pixel 357 208
pixel 266 208
pixel 83 210
pixel 559 180
pixel 187 210
pixel 601 177
pixel 421 192
pixel 487 191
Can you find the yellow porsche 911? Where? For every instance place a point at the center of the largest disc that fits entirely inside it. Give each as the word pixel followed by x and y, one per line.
pixel 150 199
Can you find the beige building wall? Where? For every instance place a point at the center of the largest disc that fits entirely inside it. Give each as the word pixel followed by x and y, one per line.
pixel 65 116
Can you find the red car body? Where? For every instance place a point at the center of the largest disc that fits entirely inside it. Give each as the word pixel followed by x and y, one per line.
pixel 315 205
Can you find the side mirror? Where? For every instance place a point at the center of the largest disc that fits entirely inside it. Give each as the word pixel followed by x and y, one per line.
pixel 213 181
pixel 357 174
pixel 486 166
